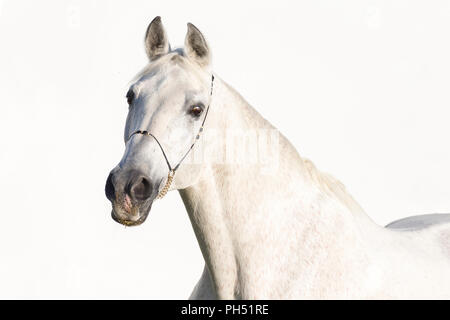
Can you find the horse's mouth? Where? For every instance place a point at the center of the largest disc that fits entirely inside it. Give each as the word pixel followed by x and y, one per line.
pixel 143 214
pixel 128 223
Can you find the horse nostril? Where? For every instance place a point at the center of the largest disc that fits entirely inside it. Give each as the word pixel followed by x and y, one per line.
pixel 141 190
pixel 110 192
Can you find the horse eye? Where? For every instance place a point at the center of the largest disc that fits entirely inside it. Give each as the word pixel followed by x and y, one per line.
pixel 130 96
pixel 196 110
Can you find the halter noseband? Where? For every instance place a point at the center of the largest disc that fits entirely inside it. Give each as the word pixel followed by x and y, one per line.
pixel 172 170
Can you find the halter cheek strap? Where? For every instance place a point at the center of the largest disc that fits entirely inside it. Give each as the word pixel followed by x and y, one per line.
pixel 172 170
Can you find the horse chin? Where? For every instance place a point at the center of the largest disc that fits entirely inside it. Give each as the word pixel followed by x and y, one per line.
pixel 143 210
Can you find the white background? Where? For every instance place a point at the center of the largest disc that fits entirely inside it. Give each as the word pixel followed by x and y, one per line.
pixel 359 87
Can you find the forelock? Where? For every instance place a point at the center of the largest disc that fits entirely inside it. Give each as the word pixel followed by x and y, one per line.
pixel 175 59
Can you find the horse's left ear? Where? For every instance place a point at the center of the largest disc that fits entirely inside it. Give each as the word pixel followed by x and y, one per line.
pixel 195 46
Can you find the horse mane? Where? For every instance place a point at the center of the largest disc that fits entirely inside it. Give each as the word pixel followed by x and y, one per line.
pixel 325 182
pixel 331 186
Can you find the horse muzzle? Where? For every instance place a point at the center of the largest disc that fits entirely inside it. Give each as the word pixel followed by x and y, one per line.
pixel 131 194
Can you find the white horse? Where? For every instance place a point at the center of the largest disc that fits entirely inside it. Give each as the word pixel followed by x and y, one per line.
pixel 290 232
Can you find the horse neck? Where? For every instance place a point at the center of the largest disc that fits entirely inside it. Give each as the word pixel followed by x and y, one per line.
pixel 275 226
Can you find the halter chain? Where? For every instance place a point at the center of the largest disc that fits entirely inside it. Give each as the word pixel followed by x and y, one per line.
pixel 172 171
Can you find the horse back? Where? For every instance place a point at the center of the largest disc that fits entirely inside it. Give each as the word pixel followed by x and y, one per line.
pixel 419 222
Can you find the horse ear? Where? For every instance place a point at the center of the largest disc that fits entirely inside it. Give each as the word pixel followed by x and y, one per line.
pixel 156 42
pixel 195 46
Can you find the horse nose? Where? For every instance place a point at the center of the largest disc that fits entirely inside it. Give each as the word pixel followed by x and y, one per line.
pixel 139 188
pixel 110 191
